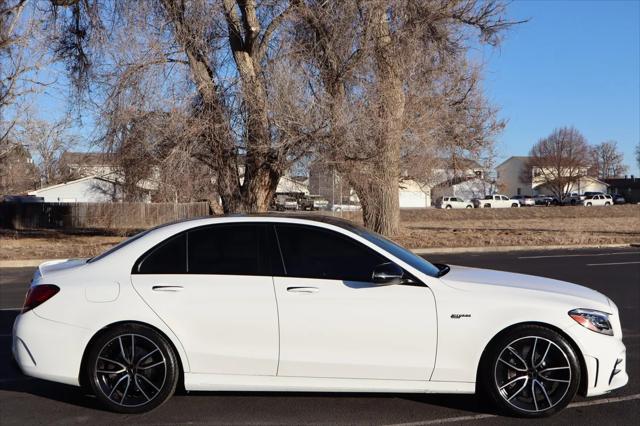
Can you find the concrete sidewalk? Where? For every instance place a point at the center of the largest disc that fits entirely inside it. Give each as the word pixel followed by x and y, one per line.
pixel 23 263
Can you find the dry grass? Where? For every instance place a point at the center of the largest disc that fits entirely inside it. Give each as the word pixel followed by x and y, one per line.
pixel 536 226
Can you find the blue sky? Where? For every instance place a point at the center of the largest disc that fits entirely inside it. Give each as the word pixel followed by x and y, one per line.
pixel 574 63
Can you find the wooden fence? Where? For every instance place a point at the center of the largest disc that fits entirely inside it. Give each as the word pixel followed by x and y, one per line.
pixel 96 215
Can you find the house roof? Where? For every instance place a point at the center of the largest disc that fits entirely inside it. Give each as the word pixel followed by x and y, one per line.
pixel 71 182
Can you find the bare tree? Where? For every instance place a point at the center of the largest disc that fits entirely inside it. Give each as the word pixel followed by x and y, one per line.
pixel 394 80
pixel 607 161
pixel 558 161
pixel 21 58
pixel 47 141
pixel 221 57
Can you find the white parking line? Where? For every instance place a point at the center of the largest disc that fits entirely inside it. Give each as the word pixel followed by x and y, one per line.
pixel 612 263
pixel 578 255
pixel 487 416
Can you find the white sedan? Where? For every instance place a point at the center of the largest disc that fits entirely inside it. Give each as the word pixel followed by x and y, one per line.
pixel 273 303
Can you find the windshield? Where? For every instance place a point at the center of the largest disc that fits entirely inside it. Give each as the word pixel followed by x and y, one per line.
pixel 398 251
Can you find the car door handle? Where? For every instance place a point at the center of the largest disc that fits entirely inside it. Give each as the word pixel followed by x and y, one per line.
pixel 161 287
pixel 302 289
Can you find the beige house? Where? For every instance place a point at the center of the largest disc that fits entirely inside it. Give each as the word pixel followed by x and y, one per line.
pixel 509 175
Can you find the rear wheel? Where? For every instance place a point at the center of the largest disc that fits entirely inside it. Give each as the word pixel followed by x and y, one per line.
pixel 530 371
pixel 448 207
pixel 514 205
pixel 132 369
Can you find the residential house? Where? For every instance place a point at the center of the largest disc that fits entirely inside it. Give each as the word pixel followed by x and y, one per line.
pixel 90 189
pixel 413 191
pixel 628 187
pixel 514 178
pixel 465 188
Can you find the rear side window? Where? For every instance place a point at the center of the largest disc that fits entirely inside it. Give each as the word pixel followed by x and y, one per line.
pixel 234 249
pixel 168 257
pixel 227 250
pixel 311 252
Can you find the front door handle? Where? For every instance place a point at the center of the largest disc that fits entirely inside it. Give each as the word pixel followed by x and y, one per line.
pixel 302 289
pixel 162 287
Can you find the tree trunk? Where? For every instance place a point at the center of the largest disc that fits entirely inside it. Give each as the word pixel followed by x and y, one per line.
pixel 382 199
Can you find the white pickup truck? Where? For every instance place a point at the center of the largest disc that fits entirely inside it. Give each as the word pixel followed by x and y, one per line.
pixel 498 201
pixel 453 203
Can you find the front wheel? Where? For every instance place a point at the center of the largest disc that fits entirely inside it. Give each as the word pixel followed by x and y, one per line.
pixel 515 205
pixel 132 369
pixel 530 371
pixel 588 204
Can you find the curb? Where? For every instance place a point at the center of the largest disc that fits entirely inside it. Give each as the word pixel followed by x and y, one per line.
pixel 25 263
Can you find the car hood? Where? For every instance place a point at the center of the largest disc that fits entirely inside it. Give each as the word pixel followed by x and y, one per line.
pixel 476 279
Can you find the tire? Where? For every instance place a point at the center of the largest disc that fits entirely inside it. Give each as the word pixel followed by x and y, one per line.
pixel 448 207
pixel 514 205
pixel 588 204
pixel 504 380
pixel 469 207
pixel 487 206
pixel 144 364
pixel 607 204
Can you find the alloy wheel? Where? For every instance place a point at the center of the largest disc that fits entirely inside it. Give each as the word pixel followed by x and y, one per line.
pixel 130 370
pixel 532 374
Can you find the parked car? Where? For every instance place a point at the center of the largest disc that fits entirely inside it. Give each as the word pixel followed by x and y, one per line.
pixel 524 200
pixel 453 203
pixel 598 200
pixel 592 193
pixel 618 199
pixel 283 203
pixel 573 199
pixel 545 200
pixel 498 201
pixel 313 202
pixel 274 303
pixel 345 207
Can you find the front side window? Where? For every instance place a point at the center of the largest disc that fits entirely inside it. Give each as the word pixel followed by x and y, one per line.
pixel 312 252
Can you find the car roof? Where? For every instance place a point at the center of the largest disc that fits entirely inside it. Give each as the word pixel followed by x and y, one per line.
pixel 330 220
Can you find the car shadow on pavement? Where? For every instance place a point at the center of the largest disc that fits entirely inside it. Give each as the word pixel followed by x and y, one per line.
pixel 12 379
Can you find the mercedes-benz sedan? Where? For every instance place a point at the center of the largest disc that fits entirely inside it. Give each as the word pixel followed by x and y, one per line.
pixel 274 303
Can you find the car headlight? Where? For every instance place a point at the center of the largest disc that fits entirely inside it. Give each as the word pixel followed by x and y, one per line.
pixel 593 320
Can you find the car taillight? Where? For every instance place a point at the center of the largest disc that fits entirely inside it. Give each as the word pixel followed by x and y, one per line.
pixel 39 294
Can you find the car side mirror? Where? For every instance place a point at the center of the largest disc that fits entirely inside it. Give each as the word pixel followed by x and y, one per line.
pixel 387 274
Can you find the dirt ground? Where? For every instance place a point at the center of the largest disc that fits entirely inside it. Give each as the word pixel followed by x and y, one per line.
pixel 420 228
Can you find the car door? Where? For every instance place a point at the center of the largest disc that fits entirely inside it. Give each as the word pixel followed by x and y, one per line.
pixel 213 287
pixel 334 323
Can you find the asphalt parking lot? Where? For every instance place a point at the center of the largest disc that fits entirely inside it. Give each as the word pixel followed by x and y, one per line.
pixel 615 272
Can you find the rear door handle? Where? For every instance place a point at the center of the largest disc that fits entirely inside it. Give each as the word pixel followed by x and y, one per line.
pixel 161 287
pixel 302 289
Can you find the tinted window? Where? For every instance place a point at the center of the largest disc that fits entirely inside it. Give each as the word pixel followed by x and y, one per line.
pixel 228 250
pixel 311 252
pixel 168 257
